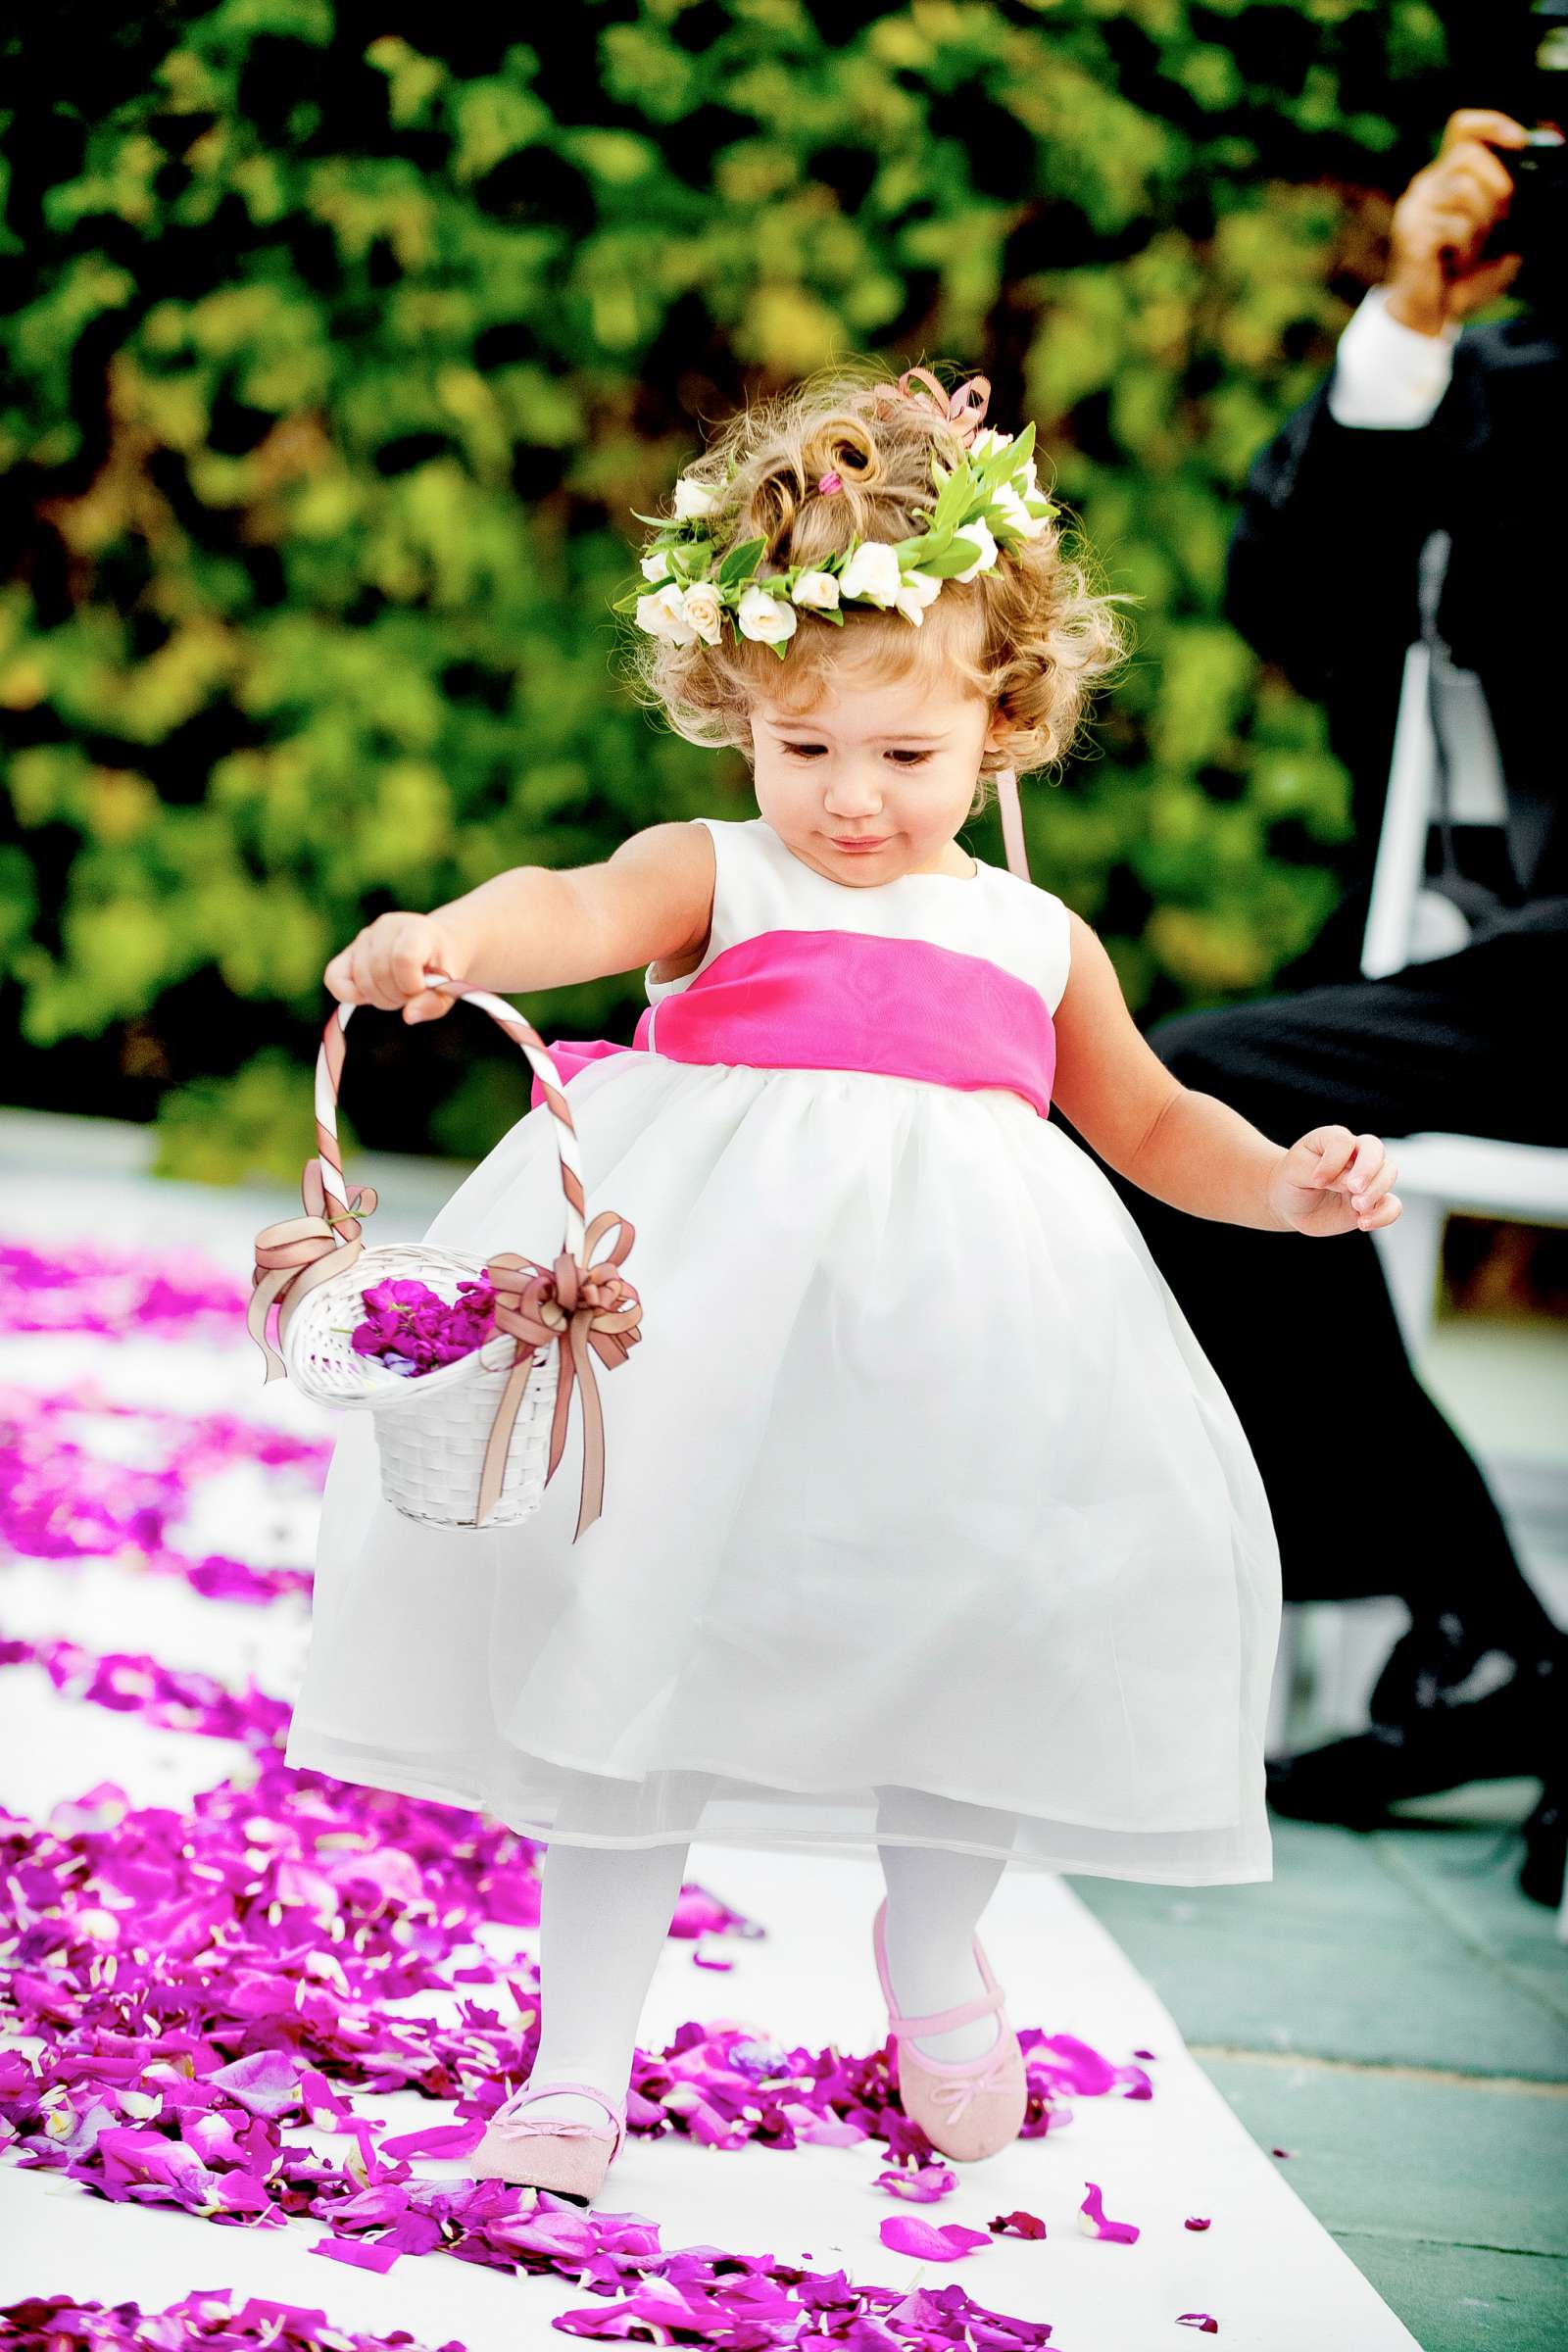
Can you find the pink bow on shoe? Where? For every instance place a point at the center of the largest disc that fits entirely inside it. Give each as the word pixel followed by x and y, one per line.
pixel 997 2076
pixel 566 2155
pixel 558 2127
pixel 509 2118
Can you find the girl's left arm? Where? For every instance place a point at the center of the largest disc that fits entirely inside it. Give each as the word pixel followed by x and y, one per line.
pixel 1187 1148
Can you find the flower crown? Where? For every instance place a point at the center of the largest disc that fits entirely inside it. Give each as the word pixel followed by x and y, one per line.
pixel 986 505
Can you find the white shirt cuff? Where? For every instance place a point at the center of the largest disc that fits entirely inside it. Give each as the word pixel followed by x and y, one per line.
pixel 1387 374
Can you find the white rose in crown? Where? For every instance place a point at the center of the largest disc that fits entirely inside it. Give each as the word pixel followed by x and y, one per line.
pixel 693 500
pixel 916 590
pixel 1013 511
pixel 703 609
pixel 818 591
pixel 768 619
pixel 979 535
pixel 872 572
pixel 664 616
pixel 656 567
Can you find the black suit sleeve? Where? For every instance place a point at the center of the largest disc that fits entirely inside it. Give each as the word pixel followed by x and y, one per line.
pixel 1321 574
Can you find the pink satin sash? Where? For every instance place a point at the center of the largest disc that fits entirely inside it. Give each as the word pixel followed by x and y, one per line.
pixel 849 1001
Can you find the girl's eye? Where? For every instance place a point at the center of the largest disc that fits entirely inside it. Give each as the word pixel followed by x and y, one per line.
pixel 810 751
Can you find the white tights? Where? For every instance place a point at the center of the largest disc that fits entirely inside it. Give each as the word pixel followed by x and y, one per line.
pixel 605 1912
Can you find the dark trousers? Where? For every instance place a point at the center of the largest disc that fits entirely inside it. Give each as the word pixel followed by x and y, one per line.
pixel 1372 1490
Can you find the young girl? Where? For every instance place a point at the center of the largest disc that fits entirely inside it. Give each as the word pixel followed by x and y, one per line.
pixel 926 1522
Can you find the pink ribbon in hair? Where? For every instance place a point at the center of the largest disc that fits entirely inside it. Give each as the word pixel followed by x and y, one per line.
pixel 963 411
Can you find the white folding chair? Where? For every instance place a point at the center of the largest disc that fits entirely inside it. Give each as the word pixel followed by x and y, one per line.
pixel 1452 778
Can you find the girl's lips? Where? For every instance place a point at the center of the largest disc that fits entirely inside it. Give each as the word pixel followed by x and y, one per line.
pixel 840 843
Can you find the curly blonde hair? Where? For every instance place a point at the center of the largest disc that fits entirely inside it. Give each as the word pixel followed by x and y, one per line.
pixel 1033 635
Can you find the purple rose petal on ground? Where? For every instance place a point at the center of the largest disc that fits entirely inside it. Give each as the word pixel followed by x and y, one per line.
pixel 1018 2224
pixel 920 2187
pixel 436 2140
pixel 1197 2319
pixel 1086 2069
pixel 1094 2223
pixel 699 1913
pixel 266 2082
pixel 1193 2222
pixel 931 2241
pixel 819 2133
pixel 551 2228
pixel 360 2253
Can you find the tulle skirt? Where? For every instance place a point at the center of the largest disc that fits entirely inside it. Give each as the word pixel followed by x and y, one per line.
pixel 925 1516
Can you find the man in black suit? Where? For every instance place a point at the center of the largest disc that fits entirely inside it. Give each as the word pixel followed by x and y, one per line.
pixel 1419 426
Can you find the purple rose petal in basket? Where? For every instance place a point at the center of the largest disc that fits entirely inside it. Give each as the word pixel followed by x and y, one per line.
pixel 411 1329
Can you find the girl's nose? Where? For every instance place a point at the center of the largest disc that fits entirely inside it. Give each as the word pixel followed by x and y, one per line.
pixel 846 797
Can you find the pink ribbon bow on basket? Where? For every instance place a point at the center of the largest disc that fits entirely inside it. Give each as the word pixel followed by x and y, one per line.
pixel 295 1254
pixel 963 409
pixel 587 1310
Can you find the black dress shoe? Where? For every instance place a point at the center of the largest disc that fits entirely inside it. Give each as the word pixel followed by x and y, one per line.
pixel 1435 1654
pixel 1456 1736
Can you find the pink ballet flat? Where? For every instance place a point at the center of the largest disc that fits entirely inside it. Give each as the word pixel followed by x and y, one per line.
pixel 570 2159
pixel 967 2107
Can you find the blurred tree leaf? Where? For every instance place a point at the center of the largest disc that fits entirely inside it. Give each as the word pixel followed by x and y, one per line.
pixel 336 361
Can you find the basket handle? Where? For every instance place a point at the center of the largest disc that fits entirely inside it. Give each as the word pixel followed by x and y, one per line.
pixel 295 1254
pixel 329 1061
pixel 587 1310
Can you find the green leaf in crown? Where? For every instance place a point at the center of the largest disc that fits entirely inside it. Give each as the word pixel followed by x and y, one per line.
pixel 740 563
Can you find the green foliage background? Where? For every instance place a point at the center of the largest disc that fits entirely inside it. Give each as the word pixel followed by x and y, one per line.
pixel 340 341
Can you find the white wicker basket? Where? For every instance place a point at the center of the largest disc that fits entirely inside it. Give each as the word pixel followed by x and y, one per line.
pixel 500 1409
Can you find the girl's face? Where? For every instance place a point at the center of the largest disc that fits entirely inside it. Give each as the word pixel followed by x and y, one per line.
pixel 892 767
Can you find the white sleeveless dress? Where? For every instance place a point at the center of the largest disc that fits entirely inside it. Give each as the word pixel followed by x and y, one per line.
pixel 920 1494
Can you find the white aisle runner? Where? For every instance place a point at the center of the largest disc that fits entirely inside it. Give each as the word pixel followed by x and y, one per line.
pixel 1272 2278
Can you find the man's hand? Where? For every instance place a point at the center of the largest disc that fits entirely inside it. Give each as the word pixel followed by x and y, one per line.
pixel 1444 218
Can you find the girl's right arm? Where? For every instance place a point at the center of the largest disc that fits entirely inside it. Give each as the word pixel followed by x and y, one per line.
pixel 539 926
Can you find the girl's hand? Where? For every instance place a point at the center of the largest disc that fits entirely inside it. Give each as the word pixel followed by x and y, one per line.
pixel 1335 1182
pixel 387 963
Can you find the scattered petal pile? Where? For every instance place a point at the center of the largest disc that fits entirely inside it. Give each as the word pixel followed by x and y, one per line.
pixel 60 1499
pixel 178 1295
pixel 193 1994
pixel 55 2324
